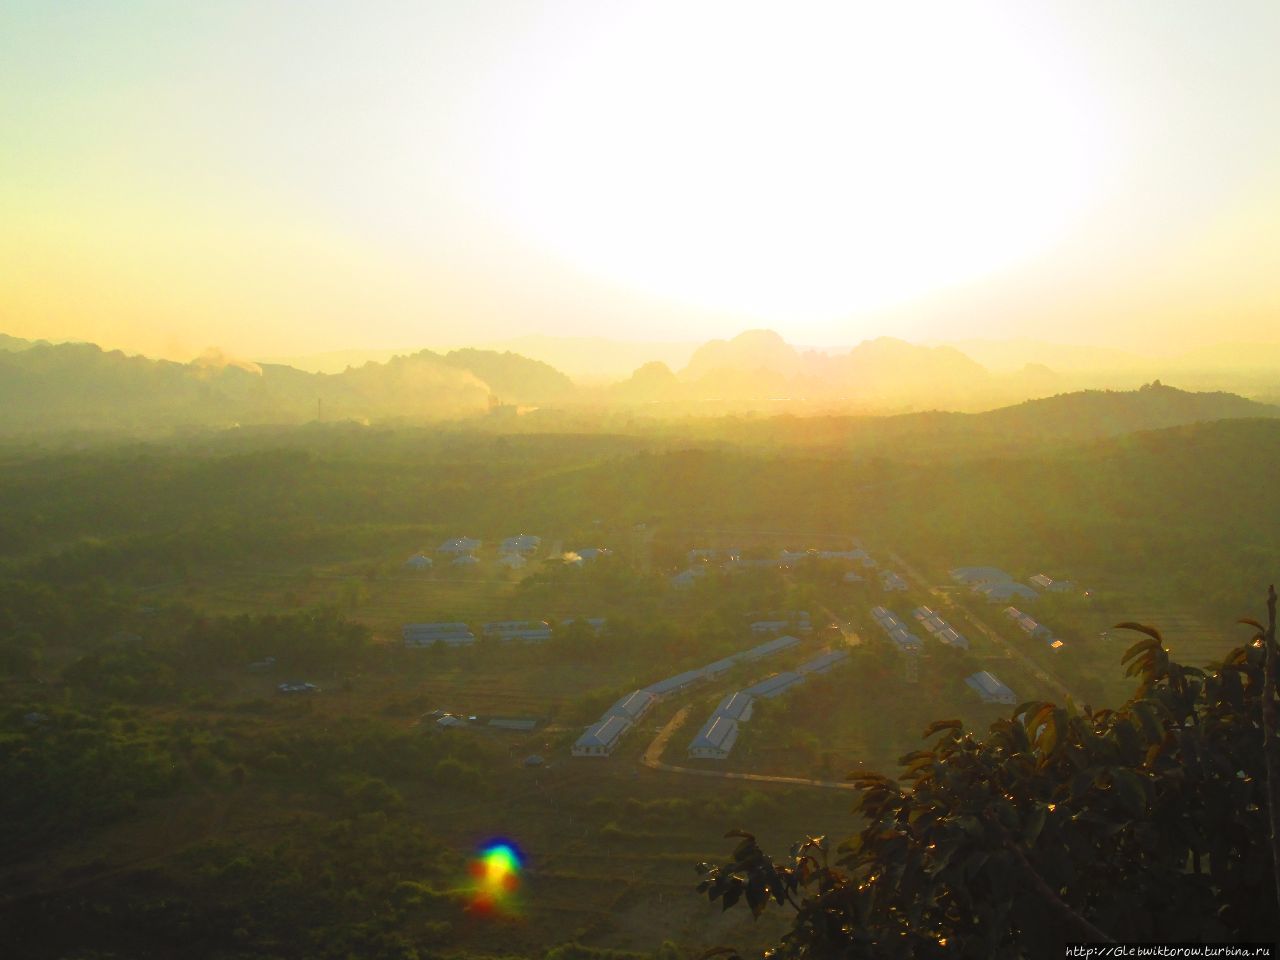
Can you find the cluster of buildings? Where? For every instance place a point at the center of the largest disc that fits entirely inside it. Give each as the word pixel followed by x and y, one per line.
pixel 457 634
pixel 997 586
pixel 896 630
pixel 984 684
pixel 1035 630
pixel 939 629
pixel 514 552
pixel 717 736
pixel 992 584
pixel 603 736
pixel 730 558
pixel 857 556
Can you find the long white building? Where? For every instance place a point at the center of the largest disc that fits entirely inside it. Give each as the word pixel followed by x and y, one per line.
pixel 939 629
pixel 429 634
pixel 602 737
pixel 987 686
pixel 715 739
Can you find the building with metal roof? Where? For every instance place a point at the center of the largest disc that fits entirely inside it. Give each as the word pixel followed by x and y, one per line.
pixel 987 686
pixel 823 662
pixel 429 634
pixel 633 706
pixel 774 686
pixel 769 648
pixel 736 706
pixel 715 739
pixel 675 684
pixel 521 543
pixel 602 737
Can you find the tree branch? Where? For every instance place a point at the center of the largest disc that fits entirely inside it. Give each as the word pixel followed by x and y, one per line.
pixel 1074 921
pixel 1269 732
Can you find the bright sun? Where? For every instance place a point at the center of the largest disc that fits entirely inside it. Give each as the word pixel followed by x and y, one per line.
pixel 807 163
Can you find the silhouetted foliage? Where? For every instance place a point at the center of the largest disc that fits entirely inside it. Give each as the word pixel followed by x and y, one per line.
pixel 1138 824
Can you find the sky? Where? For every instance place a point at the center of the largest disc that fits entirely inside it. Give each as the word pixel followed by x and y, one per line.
pixel 277 178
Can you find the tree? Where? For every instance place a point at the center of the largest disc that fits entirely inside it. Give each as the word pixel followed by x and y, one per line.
pixel 1145 823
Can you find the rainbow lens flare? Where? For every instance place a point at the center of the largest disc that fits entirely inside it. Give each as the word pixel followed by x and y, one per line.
pixel 497 878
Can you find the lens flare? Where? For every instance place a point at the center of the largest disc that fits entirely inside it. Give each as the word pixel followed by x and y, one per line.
pixel 497 878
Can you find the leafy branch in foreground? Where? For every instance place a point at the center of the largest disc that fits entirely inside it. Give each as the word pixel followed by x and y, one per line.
pixel 1147 823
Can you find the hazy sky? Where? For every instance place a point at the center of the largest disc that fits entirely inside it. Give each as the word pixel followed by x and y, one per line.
pixel 286 177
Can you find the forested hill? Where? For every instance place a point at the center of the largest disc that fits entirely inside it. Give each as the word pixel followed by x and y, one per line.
pixel 79 386
pixel 1094 413
pixel 1068 418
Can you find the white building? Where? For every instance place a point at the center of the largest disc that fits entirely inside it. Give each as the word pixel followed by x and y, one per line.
pixel 715 739
pixel 774 686
pixel 720 667
pixel 522 543
pixel 736 706
pixel 602 737
pixel 939 629
pixel 797 620
pixel 633 706
pixel 823 662
pixel 680 681
pixel 769 648
pixel 429 634
pixel 989 688
pixel 530 631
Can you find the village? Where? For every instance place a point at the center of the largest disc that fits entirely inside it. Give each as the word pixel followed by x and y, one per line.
pixel 810 645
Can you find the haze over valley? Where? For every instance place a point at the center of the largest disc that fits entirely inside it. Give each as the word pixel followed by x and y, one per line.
pixel 577 481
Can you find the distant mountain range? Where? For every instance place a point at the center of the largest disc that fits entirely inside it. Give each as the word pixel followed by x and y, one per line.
pixel 79 386
pixel 881 375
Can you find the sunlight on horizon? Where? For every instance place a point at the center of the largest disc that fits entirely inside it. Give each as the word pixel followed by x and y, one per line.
pixel 834 159
pixel 276 182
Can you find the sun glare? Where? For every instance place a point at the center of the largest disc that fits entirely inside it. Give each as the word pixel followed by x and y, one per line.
pixel 796 163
